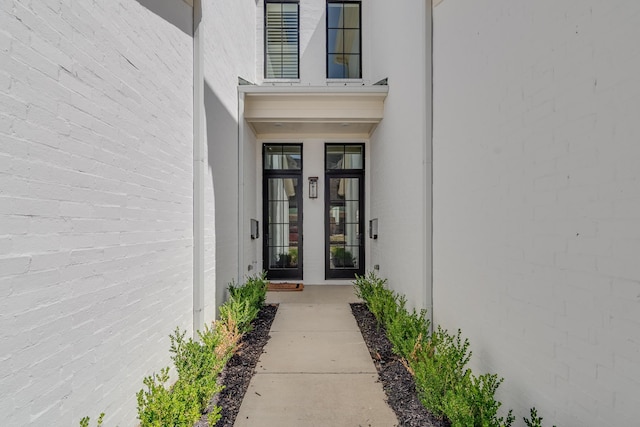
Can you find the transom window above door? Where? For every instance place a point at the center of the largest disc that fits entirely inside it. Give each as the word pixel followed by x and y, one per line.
pixel 282 157
pixel 281 39
pixel 344 44
pixel 344 156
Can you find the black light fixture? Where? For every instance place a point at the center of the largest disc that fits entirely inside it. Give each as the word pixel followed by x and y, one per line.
pixel 313 187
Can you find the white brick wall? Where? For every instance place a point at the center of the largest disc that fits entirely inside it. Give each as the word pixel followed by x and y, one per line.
pixel 230 48
pixel 399 148
pixel 537 202
pixel 95 204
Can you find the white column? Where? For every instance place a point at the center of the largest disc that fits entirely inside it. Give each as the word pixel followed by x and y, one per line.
pixel 199 169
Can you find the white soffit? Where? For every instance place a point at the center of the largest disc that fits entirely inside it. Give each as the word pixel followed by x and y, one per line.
pixel 309 111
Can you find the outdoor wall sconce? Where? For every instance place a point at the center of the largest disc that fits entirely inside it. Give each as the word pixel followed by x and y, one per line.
pixel 313 187
pixel 373 228
pixel 255 229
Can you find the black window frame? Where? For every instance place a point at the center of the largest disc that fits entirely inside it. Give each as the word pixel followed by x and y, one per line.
pixel 347 273
pixel 297 2
pixel 282 273
pixel 327 52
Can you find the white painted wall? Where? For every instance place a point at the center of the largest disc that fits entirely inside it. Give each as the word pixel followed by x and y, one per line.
pixel 313 34
pixel 537 202
pixel 95 204
pixel 313 212
pixel 400 148
pixel 313 73
pixel 230 53
pixel 252 205
pixel 399 168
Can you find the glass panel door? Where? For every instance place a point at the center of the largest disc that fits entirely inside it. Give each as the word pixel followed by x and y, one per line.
pixel 282 196
pixel 344 213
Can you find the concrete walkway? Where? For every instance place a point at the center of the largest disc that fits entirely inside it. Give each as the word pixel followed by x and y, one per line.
pixel 316 369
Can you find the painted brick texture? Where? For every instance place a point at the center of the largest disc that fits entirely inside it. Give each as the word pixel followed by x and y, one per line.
pixel 230 49
pixel 95 205
pixel 400 151
pixel 537 202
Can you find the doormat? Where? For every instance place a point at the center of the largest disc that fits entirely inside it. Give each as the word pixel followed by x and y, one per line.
pixel 278 287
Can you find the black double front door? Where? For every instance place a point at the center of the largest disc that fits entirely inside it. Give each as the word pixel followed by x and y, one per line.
pixel 343 206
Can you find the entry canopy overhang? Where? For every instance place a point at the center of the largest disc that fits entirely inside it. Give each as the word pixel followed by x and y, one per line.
pixel 346 111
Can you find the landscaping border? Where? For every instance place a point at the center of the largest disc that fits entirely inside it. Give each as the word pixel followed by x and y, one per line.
pixel 397 382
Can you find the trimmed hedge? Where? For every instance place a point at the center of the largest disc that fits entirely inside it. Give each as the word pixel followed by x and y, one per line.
pixel 198 363
pixel 437 360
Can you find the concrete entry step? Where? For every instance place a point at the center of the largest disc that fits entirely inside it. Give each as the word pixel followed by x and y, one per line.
pixel 315 369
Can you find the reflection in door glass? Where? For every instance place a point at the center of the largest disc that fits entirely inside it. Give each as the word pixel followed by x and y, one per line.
pixel 344 223
pixel 282 252
pixel 283 223
pixel 344 157
pixel 283 157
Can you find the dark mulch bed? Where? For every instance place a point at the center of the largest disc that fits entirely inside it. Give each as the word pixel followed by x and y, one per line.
pixel 237 374
pixel 397 382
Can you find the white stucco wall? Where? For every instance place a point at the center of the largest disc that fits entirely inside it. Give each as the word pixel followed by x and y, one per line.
pixel 95 204
pixel 537 202
pixel 400 148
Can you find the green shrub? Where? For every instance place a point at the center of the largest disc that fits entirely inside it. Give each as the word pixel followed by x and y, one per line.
pixel 161 405
pixel 380 300
pixel 472 402
pixel 437 361
pixel 365 287
pixel 84 422
pixel 535 420
pixel 254 290
pixel 407 331
pixel 383 305
pixel 198 364
pixel 439 365
pixel 241 311
pixel 446 387
pixel 245 302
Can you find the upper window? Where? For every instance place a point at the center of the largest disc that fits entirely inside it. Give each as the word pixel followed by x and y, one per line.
pixel 344 60
pixel 281 39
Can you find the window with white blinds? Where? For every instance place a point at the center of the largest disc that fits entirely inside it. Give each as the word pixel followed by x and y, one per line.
pixel 281 35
